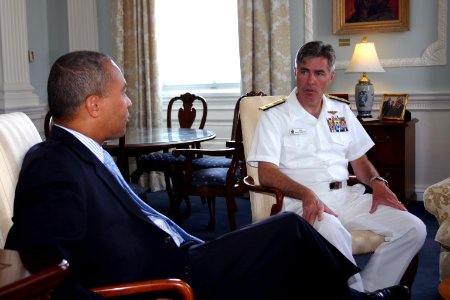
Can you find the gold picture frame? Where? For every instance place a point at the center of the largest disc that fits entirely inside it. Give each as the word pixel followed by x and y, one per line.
pixel 393 106
pixel 393 16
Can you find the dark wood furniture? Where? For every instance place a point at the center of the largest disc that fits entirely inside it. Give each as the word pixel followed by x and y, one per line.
pixel 444 288
pixel 216 182
pixel 166 162
pixel 143 140
pixel 25 277
pixel 178 287
pixel 28 280
pixel 394 155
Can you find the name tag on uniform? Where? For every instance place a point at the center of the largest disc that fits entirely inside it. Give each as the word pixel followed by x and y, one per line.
pixel 297 131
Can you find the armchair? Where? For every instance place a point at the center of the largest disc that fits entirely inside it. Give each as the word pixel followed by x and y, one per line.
pixel 268 201
pixel 164 161
pixel 220 181
pixel 436 199
pixel 17 135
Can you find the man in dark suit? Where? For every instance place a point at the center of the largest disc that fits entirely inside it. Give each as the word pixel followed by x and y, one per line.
pixel 69 204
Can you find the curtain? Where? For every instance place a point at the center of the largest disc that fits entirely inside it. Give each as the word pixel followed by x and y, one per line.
pixel 134 50
pixel 264 46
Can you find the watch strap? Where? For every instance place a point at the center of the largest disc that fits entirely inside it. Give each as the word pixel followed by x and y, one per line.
pixel 378 178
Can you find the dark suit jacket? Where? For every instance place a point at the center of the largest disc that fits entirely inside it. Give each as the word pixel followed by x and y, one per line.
pixel 68 204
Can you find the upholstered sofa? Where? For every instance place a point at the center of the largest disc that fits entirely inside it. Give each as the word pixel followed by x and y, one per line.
pixel 437 201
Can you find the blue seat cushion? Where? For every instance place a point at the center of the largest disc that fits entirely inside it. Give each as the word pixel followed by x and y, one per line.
pixel 149 161
pixel 211 162
pixel 211 177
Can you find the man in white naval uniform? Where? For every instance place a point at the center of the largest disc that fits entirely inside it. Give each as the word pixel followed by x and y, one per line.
pixel 303 147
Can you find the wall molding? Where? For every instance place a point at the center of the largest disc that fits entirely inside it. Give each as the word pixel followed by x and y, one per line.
pixel 434 54
pixel 416 102
pixel 220 110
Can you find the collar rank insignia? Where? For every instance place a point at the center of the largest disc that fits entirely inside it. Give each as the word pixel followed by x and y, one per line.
pixel 273 104
pixel 338 98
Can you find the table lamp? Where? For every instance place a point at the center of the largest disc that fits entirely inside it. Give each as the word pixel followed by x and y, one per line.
pixel 364 60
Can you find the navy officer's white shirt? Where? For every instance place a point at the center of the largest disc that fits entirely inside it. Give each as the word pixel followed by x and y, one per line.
pixel 315 152
pixel 309 150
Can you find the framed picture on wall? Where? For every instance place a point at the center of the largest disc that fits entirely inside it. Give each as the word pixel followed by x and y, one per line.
pixel 365 16
pixel 393 106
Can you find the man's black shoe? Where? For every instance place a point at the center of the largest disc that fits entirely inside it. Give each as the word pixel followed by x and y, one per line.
pixel 396 292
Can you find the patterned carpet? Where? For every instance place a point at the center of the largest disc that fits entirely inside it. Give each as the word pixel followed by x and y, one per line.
pixel 427 278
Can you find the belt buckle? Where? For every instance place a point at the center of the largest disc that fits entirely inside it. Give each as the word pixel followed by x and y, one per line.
pixel 335 185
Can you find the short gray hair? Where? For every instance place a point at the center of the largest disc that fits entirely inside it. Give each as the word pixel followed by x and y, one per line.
pixel 317 49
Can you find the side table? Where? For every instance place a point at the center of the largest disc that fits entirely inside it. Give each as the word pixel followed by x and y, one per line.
pixel 394 155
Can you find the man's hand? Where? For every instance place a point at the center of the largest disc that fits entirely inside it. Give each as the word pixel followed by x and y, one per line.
pixel 382 195
pixel 314 208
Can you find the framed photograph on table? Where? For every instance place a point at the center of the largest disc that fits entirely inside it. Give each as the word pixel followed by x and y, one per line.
pixel 366 16
pixel 393 106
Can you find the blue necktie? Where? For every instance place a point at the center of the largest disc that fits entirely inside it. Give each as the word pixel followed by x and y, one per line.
pixel 166 224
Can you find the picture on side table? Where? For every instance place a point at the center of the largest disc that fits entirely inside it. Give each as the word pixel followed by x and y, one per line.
pixel 393 106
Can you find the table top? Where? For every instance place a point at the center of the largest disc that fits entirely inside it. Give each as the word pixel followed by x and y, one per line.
pixel 161 137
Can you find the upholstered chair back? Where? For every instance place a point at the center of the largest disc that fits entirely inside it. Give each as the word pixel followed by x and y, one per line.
pixel 363 241
pixel 249 110
pixel 17 135
pixel 436 200
pixel 261 203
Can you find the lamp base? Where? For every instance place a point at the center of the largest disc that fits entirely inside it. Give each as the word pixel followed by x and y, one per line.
pixel 364 96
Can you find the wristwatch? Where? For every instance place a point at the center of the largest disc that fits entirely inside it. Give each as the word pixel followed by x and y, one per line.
pixel 378 178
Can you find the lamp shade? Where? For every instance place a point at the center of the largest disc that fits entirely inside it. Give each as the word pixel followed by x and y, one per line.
pixel 364 59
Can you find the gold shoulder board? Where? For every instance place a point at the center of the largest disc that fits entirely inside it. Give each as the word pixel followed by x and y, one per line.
pixel 273 104
pixel 338 98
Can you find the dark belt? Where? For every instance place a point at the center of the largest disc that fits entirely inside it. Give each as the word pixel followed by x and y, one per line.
pixel 335 185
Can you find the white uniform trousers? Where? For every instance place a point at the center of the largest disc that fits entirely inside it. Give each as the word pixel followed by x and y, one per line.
pixel 404 233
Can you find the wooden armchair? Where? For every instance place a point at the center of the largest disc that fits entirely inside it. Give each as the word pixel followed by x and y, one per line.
pixel 164 161
pixel 267 201
pixel 221 181
pixel 180 287
pixel 17 135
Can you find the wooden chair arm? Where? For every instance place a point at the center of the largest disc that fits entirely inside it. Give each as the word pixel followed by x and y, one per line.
pixel 232 143
pixel 37 285
pixel 279 195
pixel 179 286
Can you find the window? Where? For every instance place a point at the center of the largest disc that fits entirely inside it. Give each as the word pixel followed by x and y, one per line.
pixel 198 45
